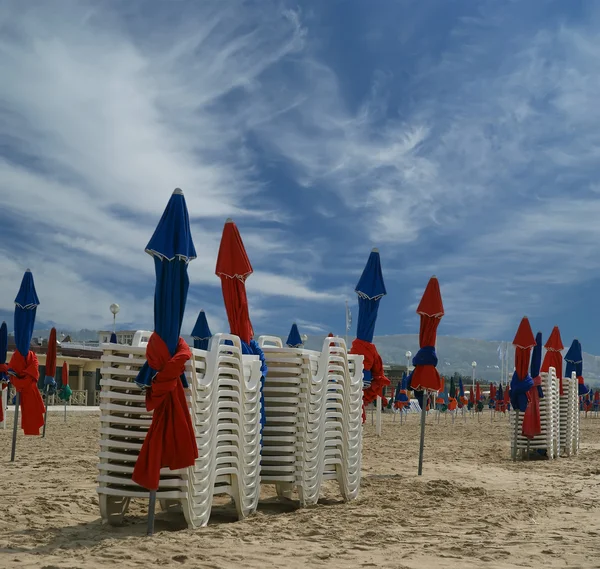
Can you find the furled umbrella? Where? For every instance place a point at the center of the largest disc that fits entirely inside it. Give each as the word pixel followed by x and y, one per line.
pixel 492 398
pixel 507 398
pixel 113 338
pixel 532 422
pixel 3 372
pixel 553 357
pixel 170 440
pixel 370 290
pixel 500 405
pixel 574 359
pixel 478 398
pixel 471 404
pixel 596 400
pixel 521 381
pixel 452 401
pixel 49 381
pixel 425 377
pixel 233 268
pixel 294 340
pixel 201 332
pixel 65 391
pixel 23 366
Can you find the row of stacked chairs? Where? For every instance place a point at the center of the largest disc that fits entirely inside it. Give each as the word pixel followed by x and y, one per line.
pixel 312 418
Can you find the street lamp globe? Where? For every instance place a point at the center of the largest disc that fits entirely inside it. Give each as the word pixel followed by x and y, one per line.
pixel 408 354
pixel 114 308
pixel 474 364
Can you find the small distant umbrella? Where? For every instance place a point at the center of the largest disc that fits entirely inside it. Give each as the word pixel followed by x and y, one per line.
pixel 201 332
pixel 597 398
pixel 49 381
pixel 452 402
pixel 170 440
pixel 500 405
pixel 521 381
pixel 553 357
pixel 23 365
pixel 532 423
pixel 113 338
pixel 370 290
pixel 65 391
pixel 507 398
pixel 3 369
pixel 294 339
pixel 425 377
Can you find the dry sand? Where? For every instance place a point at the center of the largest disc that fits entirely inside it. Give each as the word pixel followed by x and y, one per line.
pixel 472 508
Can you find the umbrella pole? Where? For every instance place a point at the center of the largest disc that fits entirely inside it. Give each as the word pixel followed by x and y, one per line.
pixel 45 414
pixel 378 403
pixel 4 405
pixel 65 411
pixel 151 509
pixel 514 457
pixel 13 449
pixel 422 443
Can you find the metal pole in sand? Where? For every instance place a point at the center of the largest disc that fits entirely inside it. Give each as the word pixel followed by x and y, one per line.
pixel 151 510
pixel 422 443
pixel 378 403
pixel 13 449
pixel 45 414
pixel 4 405
pixel 65 411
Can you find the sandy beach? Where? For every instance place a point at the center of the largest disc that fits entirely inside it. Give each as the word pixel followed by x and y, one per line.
pixel 473 507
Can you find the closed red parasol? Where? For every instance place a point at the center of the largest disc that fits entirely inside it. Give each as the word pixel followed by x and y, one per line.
pixel 553 357
pixel 233 268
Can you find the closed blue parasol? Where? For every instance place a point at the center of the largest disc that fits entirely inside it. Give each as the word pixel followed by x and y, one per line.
pixel 23 367
pixel 370 289
pixel 170 441
pixel 294 339
pixel 113 338
pixel 201 332
pixel 574 359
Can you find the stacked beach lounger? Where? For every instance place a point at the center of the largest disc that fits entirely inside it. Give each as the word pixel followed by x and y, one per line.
pixel 313 431
pixel 547 443
pixel 569 416
pixel 224 399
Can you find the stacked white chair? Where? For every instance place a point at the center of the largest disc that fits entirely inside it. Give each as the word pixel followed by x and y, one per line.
pixel 548 440
pixel 224 399
pixel 313 405
pixel 569 416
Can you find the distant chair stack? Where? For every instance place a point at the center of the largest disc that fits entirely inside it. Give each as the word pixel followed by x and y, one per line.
pixel 224 398
pixel 548 441
pixel 313 428
pixel 559 419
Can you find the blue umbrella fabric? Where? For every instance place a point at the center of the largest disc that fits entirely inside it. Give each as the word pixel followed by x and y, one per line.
pixel 23 366
pixel 536 364
pixel 294 340
pixel 113 338
pixel 574 363
pixel 201 332
pixel 370 290
pixel 170 441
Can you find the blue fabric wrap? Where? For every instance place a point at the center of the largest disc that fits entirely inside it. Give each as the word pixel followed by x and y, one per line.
pixel 367 318
pixel 26 304
pixel 255 349
pixel 201 343
pixel 582 389
pixel 3 348
pixel 370 289
pixel 294 339
pixel 426 356
pixel 518 391
pixel 367 377
pixel 461 388
pixel 49 385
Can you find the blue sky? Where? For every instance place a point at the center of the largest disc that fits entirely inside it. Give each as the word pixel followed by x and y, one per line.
pixel 461 138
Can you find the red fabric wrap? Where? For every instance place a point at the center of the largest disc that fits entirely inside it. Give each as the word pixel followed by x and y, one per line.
pixel 170 440
pixel 30 398
pixel 374 364
pixel 452 403
pixel 3 370
pixel 532 423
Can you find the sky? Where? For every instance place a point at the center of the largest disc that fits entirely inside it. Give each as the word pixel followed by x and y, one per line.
pixel 461 138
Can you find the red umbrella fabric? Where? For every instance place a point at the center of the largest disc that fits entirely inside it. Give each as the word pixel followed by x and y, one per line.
pixel 51 354
pixel 65 374
pixel 492 391
pixel 25 380
pixel 425 376
pixel 521 382
pixel 233 268
pixel 553 357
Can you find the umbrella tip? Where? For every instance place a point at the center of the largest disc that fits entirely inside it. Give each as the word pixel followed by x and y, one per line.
pixel 177 192
pixel 27 270
pixel 229 220
pixel 375 250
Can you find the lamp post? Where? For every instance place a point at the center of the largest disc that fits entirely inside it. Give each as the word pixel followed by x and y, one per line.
pixel 304 337
pixel 474 365
pixel 114 308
